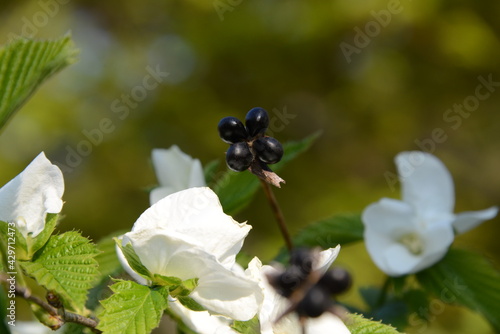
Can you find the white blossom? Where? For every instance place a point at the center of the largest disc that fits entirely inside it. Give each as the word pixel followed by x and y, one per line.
pixel 187 235
pixel 175 171
pixel 274 304
pixel 409 235
pixel 30 196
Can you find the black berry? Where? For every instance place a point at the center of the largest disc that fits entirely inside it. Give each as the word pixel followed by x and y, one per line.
pixel 231 130
pixel 269 150
pixel 239 157
pixel 336 281
pixel 256 121
pixel 302 258
pixel 288 281
pixel 315 302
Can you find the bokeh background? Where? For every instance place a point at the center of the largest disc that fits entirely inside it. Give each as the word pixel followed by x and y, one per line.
pixel 376 77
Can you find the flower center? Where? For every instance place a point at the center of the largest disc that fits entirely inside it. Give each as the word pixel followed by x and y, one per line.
pixel 413 243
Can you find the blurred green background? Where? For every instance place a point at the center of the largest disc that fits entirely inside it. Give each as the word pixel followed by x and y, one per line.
pixel 377 77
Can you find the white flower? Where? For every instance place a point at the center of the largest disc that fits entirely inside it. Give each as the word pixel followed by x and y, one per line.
pixel 187 235
pixel 274 304
pixel 404 237
pixel 175 171
pixel 27 198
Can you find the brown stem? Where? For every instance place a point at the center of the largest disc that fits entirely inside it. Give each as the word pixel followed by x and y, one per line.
pixel 65 316
pixel 277 214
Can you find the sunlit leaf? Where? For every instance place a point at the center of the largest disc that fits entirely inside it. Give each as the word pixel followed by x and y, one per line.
pixel 359 325
pixel 132 309
pixel 66 265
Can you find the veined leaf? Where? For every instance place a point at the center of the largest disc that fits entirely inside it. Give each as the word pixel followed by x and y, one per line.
pixel 337 230
pixel 34 244
pixel 466 278
pixel 132 309
pixel 66 265
pixel 359 325
pixel 25 64
pixel 10 234
pixel 133 260
pixel 235 190
pixel 190 303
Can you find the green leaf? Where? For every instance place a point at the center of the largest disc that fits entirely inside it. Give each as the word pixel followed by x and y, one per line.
pixel 168 281
pixel 251 326
pixel 34 244
pixel 338 230
pixel 133 260
pixel 190 303
pixel 66 265
pixel 359 325
pixel 25 64
pixel 132 309
pixel 235 190
pixel 210 171
pixel 467 279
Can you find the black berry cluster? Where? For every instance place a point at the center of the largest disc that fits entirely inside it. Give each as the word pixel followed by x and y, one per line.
pixel 317 298
pixel 248 142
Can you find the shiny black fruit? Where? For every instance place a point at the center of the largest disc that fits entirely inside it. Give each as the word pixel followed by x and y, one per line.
pixel 231 130
pixel 268 149
pixel 256 121
pixel 239 157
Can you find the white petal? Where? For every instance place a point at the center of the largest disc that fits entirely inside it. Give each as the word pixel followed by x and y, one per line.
pixel 197 213
pixel 159 193
pixel 201 322
pixel 326 323
pixel 398 260
pixel 326 258
pixel 466 221
pixel 226 293
pixel 32 194
pixel 426 182
pixel 390 217
pixel 176 169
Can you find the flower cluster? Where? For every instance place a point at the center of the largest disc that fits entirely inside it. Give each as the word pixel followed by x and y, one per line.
pixel 248 142
pixel 406 236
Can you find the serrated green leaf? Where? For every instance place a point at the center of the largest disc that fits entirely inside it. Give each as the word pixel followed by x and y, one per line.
pixel 235 190
pixel 359 325
pixel 132 309
pixel 74 328
pixel 467 279
pixel 34 244
pixel 133 260
pixel 66 265
pixel 251 326
pixel 190 303
pixel 340 229
pixel 25 64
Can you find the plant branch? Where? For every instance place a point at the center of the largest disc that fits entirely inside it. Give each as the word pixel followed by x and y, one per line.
pixel 64 316
pixel 277 214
